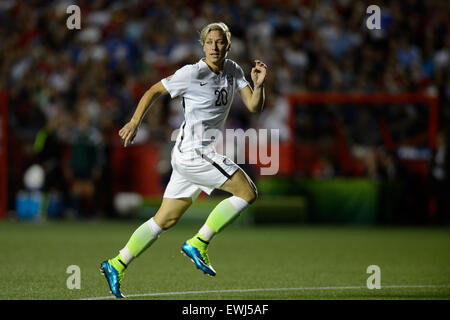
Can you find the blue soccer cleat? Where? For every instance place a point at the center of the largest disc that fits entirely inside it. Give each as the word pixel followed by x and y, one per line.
pixel 199 257
pixel 113 277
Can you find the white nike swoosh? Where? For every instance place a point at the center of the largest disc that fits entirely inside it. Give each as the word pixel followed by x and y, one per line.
pixel 204 264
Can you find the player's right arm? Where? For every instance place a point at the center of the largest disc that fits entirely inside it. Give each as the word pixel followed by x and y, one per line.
pixel 128 131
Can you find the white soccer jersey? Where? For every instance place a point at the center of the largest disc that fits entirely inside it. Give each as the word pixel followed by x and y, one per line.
pixel 206 99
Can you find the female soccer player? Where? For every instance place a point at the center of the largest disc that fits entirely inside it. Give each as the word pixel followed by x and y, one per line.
pixel 206 89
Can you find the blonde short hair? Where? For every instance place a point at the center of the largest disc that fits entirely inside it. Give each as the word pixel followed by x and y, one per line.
pixel 215 26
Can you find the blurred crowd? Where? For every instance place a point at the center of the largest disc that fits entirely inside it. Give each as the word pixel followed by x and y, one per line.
pixel 78 87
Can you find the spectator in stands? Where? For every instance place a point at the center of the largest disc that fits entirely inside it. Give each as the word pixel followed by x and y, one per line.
pixel 85 166
pixel 309 45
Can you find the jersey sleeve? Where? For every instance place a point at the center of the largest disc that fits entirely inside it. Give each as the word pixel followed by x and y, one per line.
pixel 177 83
pixel 241 82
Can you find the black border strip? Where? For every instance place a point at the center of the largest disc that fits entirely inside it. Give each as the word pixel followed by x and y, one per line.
pixel 182 127
pixel 222 171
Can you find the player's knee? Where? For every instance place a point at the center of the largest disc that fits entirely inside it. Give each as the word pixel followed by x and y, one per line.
pixel 250 195
pixel 253 196
pixel 253 191
pixel 168 223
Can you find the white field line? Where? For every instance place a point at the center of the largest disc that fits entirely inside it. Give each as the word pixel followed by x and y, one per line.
pixel 178 293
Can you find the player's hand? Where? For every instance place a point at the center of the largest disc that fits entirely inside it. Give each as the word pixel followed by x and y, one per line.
pixel 258 73
pixel 128 132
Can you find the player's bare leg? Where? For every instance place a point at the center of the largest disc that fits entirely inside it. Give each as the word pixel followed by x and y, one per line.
pixel 244 193
pixel 167 215
pixel 240 185
pixel 171 211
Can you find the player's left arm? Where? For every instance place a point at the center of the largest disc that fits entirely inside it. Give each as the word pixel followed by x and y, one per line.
pixel 254 99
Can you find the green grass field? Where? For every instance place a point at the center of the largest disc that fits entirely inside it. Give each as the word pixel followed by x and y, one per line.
pixel 271 262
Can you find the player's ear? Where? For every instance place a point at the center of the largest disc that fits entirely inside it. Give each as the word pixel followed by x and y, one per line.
pixel 203 48
pixel 228 46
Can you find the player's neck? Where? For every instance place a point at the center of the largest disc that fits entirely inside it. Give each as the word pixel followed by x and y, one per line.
pixel 216 68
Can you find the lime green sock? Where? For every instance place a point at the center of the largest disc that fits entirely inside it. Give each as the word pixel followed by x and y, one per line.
pixel 141 239
pixel 198 241
pixel 117 263
pixel 222 215
pixel 225 213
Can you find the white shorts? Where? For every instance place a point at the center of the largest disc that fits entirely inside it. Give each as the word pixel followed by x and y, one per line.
pixel 193 172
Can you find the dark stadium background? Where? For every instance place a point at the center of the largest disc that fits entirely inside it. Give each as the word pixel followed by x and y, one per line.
pixel 54 81
pixel 363 119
